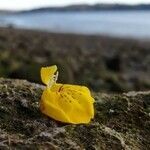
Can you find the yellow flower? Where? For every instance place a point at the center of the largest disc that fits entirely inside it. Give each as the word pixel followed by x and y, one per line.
pixel 64 102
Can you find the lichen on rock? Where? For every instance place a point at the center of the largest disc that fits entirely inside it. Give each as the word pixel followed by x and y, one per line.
pixel 122 121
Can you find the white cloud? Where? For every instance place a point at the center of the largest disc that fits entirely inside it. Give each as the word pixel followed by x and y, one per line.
pixel 27 4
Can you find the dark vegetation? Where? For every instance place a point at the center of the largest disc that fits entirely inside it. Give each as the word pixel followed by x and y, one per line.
pixel 85 7
pixel 101 63
pixel 95 7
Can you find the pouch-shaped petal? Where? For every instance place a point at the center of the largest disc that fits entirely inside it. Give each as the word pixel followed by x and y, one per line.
pixel 64 102
pixel 67 104
pixel 49 106
pixel 80 93
pixel 47 73
pixel 83 98
pixel 73 109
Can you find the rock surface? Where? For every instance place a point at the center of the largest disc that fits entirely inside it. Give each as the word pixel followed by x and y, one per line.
pixel 121 121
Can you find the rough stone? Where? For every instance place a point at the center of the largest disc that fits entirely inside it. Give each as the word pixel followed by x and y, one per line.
pixel 122 121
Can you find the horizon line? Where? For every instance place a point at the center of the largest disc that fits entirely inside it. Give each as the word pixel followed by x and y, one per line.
pixel 73 4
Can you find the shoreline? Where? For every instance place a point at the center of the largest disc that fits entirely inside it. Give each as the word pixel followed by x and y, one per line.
pixel 63 33
pixel 100 62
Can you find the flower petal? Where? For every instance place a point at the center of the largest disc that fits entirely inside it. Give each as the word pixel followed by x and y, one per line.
pixel 47 73
pixel 49 107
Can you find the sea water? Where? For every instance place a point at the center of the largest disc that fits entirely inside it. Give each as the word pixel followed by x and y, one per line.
pixel 115 23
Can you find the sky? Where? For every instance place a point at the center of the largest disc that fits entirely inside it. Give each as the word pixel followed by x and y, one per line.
pixel 29 4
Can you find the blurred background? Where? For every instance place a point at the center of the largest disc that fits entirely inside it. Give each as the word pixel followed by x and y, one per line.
pixel 102 44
